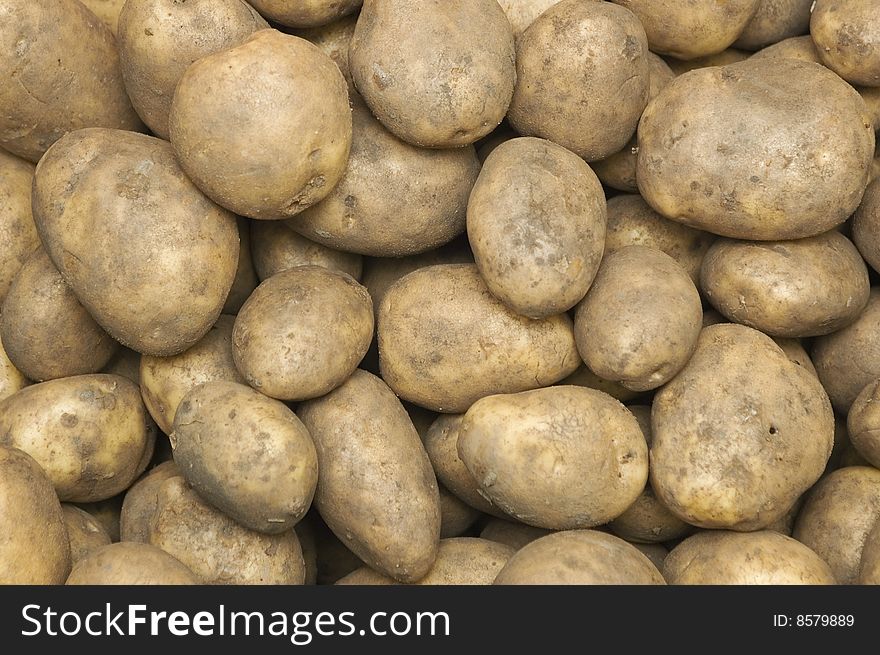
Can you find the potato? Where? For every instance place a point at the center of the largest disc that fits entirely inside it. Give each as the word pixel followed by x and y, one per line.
pixel 869 567
pixel 522 13
pixel 222 428
pixel 784 525
pixel 656 553
pixel 245 280
pixel 866 226
pixel 376 489
pixel 258 163
pixel 796 353
pixel 34 549
pixel 395 199
pixel 584 377
pixel 305 13
pixel 438 75
pixel 107 10
pixel 333 40
pixel 723 58
pixel 305 532
pixel 775 21
pixel 847 37
pixel 579 557
pixel 17 230
pixel 536 223
pixel 596 55
pixel 140 502
pixel 335 560
pixel 733 558
pixel 863 423
pixel 107 513
pixel 88 432
pixel 456 516
pixel 801 48
pixel 793 289
pixel 838 515
pixel 276 248
pixel 159 39
pixel 84 532
pixel 514 534
pixel 692 29
pixel 130 564
pixel 740 151
pixel 11 379
pixel 46 332
pixel 739 434
pixel 445 341
pixel 125 362
pixel 149 257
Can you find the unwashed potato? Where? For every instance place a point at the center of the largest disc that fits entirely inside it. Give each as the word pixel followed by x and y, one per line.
pixel 84 532
pixel 127 363
pixel 333 40
pixel 775 21
pixel 149 257
pixel 140 501
pixel 584 377
pixel 847 36
pixel 276 247
pixel 597 56
pixel 579 557
pixel 335 560
pixel 90 433
pixel 863 423
pixel 159 39
pixel 801 48
pixel 130 564
pixel 796 353
pixel 456 516
pixel 522 13
pixel 245 280
pixel 46 332
pixel 18 234
pixel 514 534
pixel 445 341
pixel 107 10
pixel 559 458
pixel 656 553
pixel 536 223
pixel 793 289
pixel 34 548
pixel 306 534
pixel 766 172
pixel 107 513
pixel 866 226
pixel 11 379
pixel 437 74
pixel 723 58
pixel 869 567
pixel 739 434
pixel 305 13
pixel 719 557
pixel 376 489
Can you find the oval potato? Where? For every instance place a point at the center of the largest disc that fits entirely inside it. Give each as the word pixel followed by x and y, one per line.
pixel 85 533
pixel 18 234
pixel 130 564
pixel 140 500
pixel 276 248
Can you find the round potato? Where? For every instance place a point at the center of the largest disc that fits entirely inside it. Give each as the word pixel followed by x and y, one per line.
pixel 245 280
pixel 456 516
pixel 596 55
pixel 775 21
pixel 276 248
pixel 130 564
pixel 740 151
pixel 333 40
pixel 17 230
pixel 514 534
pixel 847 37
pixel 34 548
pixel 437 74
pixel 579 557
pixel 376 489
pixel 11 379
pixel 445 341
pixel 866 226
pixel 863 423
pixel 739 434
pixel 869 567
pixel 306 13
pixel 140 501
pixel 536 223
pixel 84 532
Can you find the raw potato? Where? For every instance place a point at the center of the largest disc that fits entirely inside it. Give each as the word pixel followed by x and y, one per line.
pixel 34 549
pixel 837 517
pixel 272 138
pixel 847 36
pixel 723 58
pixel 775 21
pixel 739 434
pixel 869 568
pixel 755 558
pixel 159 39
pixel 536 223
pixel 90 433
pixel 863 423
pixel 456 516
pixel 130 564
pixel 445 341
pixel 395 199
pixel 333 40
pixel 84 532
pixel 656 553
pixel 11 379
pixel 18 234
pixel 302 332
pixel 46 332
pixel 140 502
pixel 584 377
pixel 640 321
pixel 245 276
pixel 579 557
pixel 305 532
pixel 107 10
pixel 794 289
pixel 437 73
pixel 515 535
pixel 522 13
pixel 335 560
pixel 801 48
pixel 741 151
pixel 597 56
pixel 107 513
pixel 126 363
pixel 796 353
pixel 149 257
pixel 866 226
pixel 277 248
pixel 376 489
pixel 305 13
pixel 559 458
pixel 693 28
pixel 223 430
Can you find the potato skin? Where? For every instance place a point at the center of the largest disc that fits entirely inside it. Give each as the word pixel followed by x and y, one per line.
pixel 130 564
pixel 793 289
pixel 866 226
pixel 514 534
pixel 140 500
pixel 847 37
pixel 445 341
pixel 579 557
pixel 723 58
pixel 333 40
pixel 522 13
pixel 720 557
pixel 376 489
pixel 863 423
pixel 85 533
pixel 456 516
pixel 306 13
pixel 869 567
pixel 763 174
pixel 536 223
pixel 775 21
pixel 437 73
pixel 276 248
pixel 34 549
pixel 18 234
pixel 245 280
pixel 739 434
pixel 107 10
pixel 11 379
pixel 109 206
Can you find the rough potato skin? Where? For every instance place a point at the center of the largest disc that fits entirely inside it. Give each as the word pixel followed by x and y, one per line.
pixel 437 73
pixel 800 48
pixel 793 289
pixel 306 13
pixel 742 152
pixel 536 223
pixel 276 248
pixel 837 517
pixel 866 226
pixel 579 557
pixel 46 332
pixel 245 276
pixel 596 55
pixel 723 58
pixel 11 379
pixel 62 69
pixel 584 377
pixel 863 423
pixel 514 534
pixel 34 549
pixel 796 353
pixel 107 10
pixel 522 13
pixel 847 37
pixel 107 513
pixel 130 564
pixel 84 532
pixel 18 234
pixel 775 21
pixel 333 40
pixel 445 341
pixel 140 500
pixel 869 568
pixel 147 255
pixel 279 131
pixel 720 557
pixel 739 434
pixel 456 516
pixel 376 489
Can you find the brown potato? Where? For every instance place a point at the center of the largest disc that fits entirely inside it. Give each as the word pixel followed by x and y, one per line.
pixel 796 353
pixel 127 363
pixel 801 48
pixel 335 560
pixel 140 501
pixel 869 567
pixel 723 58
pixel 847 37
pixel 11 379
pixel 333 40
pixel 305 13
pixel 130 564
pixel 245 275
pixel 863 423
pixel 584 377
pixel 276 248
pixel 514 534
pixel 107 513
pixel 456 516
pixel 18 234
pixel 84 532
pixel 306 534
pixel 866 226
pixel 522 13
pixel 775 21
pixel 656 553
pixel 107 10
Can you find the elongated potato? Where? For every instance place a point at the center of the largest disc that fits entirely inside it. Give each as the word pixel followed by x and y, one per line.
pixel 130 564
pixel 140 500
pixel 11 379
pixel 723 58
pixel 276 248
pixel 869 566
pixel 17 230
pixel 863 423
pixel 84 532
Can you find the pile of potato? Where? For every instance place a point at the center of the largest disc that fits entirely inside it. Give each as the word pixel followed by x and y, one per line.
pixel 439 292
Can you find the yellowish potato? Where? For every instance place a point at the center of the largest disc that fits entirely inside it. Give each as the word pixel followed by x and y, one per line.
pixel 276 248
pixel 11 379
pixel 245 276
pixel 17 230
pixel 84 532
pixel 514 534
pixel 333 40
pixel 847 37
pixel 306 13
pixel 140 501
pixel 775 21
pixel 869 567
pixel 863 423
pixel 130 564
